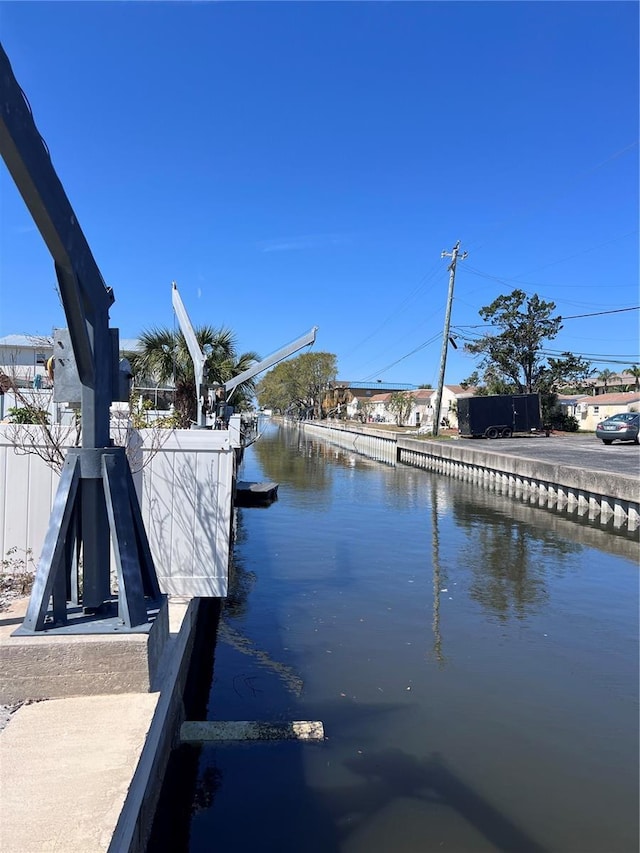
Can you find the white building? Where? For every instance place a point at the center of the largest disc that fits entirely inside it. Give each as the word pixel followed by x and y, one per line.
pixel 589 411
pixel 23 358
pixel 376 408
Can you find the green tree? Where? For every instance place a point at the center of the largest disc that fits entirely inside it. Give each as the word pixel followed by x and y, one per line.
pixel 401 403
pixel 28 414
pixel 298 386
pixel 364 409
pixel 570 372
pixel 512 358
pixel 164 357
pixel 634 370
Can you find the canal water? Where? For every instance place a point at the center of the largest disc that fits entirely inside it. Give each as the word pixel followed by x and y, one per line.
pixel 474 662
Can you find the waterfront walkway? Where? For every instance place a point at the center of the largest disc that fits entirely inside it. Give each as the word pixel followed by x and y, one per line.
pixel 84 773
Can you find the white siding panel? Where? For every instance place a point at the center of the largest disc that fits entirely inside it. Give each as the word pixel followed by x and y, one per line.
pixel 186 487
pixel 17 486
pixel 187 506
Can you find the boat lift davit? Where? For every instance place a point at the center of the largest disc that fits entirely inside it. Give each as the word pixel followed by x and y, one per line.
pixel 198 358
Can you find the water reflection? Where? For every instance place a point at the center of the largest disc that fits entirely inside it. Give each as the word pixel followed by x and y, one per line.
pixel 241 580
pixel 439 576
pixel 556 527
pixel 461 650
pixel 285 456
pixel 234 608
pixel 506 558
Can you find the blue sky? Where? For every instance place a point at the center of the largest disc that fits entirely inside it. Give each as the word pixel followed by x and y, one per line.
pixel 299 164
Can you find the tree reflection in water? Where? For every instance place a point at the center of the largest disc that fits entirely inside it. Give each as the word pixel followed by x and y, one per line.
pixel 504 555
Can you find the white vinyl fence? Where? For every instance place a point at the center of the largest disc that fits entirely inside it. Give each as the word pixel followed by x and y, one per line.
pixel 186 485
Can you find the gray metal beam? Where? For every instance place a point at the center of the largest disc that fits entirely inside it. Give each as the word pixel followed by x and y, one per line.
pixel 29 163
pixel 303 341
pixel 94 496
pixel 197 356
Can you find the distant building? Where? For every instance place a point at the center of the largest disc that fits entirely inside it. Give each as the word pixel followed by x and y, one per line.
pixel 23 358
pixel 26 371
pixel 622 381
pixel 375 407
pixel 342 397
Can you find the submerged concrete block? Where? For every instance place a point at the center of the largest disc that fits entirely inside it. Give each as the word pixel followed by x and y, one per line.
pixel 232 730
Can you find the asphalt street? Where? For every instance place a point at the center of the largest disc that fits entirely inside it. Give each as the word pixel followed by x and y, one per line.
pixel 582 451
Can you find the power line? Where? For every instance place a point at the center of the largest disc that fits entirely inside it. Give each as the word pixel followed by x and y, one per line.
pixel 402 358
pixel 599 313
pixel 577 254
pixel 562 317
pixel 592 356
pixel 426 278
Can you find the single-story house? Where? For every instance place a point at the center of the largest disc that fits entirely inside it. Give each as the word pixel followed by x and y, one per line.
pixel 23 358
pixel 376 407
pixel 589 411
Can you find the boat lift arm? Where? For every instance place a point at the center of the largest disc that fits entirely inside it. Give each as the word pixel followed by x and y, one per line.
pixel 199 359
pixel 303 341
pixel 197 356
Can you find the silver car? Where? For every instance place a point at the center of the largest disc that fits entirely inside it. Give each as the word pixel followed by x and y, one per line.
pixel 624 426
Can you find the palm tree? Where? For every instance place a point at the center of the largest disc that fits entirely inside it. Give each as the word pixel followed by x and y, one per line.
pixel 164 357
pixel 634 370
pixel 604 376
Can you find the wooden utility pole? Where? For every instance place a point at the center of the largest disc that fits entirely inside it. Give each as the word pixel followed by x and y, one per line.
pixel 445 336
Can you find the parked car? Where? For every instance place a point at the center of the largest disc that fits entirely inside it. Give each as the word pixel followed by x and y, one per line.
pixel 624 426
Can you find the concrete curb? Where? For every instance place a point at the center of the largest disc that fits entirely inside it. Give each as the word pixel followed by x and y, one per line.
pixel 136 818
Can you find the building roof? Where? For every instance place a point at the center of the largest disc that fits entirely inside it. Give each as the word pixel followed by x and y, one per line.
pixel 129 345
pixel 26 341
pixel 459 391
pixel 39 341
pixel 376 386
pixel 616 398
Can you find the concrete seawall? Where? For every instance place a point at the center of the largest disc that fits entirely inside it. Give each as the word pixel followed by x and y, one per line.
pixel 600 497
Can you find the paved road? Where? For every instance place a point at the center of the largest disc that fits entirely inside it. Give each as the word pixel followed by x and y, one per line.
pixel 577 450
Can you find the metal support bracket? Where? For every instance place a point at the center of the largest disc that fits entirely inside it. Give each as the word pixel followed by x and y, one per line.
pixel 57 604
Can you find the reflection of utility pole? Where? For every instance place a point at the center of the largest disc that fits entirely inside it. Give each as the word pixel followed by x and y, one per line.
pixel 445 337
pixel 437 578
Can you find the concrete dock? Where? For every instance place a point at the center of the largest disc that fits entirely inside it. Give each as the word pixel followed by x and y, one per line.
pixel 83 773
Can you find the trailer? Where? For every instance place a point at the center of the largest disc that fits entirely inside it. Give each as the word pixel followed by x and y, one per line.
pixel 499 415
